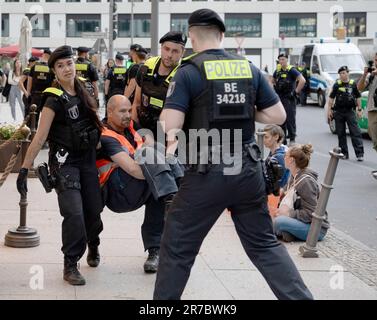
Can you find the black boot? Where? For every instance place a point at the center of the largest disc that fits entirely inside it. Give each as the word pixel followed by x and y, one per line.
pixel 72 275
pixel 93 257
pixel 150 266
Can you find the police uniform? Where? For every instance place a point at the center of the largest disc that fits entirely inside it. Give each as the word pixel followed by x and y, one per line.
pixel 285 86
pixel 306 89
pixel 218 90
pixel 42 78
pixel 346 95
pixel 73 138
pixel 85 69
pixel 118 77
pixel 155 86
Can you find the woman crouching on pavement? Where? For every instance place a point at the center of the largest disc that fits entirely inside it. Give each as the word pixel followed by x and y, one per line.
pixel 70 125
pixel 296 209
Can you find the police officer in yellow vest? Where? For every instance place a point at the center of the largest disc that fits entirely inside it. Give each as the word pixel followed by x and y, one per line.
pixel 222 94
pixel 23 80
pixel 116 78
pixel 285 78
pixel 39 78
pixel 347 100
pixel 153 80
pixel 85 69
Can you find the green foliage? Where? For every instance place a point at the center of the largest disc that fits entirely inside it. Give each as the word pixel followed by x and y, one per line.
pixel 6 131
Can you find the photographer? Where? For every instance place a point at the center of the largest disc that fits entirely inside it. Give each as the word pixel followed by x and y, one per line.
pixel 369 81
pixel 295 211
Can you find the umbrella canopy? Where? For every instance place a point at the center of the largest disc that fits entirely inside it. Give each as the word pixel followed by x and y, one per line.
pixel 13 50
pixel 25 40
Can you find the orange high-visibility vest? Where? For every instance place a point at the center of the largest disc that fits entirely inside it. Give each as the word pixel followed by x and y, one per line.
pixel 106 167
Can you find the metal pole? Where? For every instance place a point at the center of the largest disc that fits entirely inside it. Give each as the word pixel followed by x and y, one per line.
pixel 154 27
pixel 111 29
pixel 260 135
pixel 132 22
pixel 309 250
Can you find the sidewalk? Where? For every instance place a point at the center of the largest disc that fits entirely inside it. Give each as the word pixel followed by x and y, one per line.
pixel 221 271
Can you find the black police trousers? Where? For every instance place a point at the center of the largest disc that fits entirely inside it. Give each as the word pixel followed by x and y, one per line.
pixel 198 204
pixel 289 103
pixel 341 119
pixel 80 204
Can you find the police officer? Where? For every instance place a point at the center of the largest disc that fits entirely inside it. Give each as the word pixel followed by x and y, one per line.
pixel 347 100
pixel 285 78
pixel 72 128
pixel 137 54
pixel 23 80
pixel 116 78
pixel 85 69
pixel 369 81
pixel 39 78
pixel 227 87
pixel 153 80
pixel 306 90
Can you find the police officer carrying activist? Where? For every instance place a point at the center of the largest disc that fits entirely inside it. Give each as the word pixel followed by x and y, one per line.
pixel 116 78
pixel 22 84
pixel 284 79
pixel 347 101
pixel 153 80
pixel 39 78
pixel 70 124
pixel 86 70
pixel 138 54
pixel 217 91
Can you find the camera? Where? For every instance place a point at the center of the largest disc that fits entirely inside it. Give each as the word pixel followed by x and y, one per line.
pixel 273 173
pixel 370 66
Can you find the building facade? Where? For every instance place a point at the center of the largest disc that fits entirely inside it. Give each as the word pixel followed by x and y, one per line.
pixel 256 28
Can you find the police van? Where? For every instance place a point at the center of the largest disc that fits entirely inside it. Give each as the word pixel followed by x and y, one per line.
pixel 323 60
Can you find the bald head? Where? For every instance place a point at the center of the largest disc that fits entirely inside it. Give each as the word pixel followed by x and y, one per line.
pixel 119 112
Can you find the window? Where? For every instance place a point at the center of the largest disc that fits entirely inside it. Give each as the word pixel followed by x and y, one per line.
pixel 179 22
pixel 298 24
pixel 243 24
pixel 142 25
pixel 52 0
pixel 78 23
pixel 40 24
pixel 355 23
pixel 5 25
pixel 72 0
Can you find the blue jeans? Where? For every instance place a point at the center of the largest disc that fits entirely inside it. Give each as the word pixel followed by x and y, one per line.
pixel 295 227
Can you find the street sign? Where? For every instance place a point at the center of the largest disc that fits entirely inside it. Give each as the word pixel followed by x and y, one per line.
pixel 94 35
pixel 100 45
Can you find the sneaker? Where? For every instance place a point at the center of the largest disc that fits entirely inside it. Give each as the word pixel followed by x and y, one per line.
pixel 73 276
pixel 292 142
pixel 374 174
pixel 345 157
pixel 93 257
pixel 287 237
pixel 150 266
pixel 360 158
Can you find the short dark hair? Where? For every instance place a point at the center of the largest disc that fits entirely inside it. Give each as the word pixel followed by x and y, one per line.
pixel 282 55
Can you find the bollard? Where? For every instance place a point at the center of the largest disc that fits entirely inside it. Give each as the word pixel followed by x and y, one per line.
pixel 23 236
pixel 260 135
pixel 33 130
pixel 309 250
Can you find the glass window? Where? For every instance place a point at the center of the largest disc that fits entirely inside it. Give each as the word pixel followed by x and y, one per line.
pixel 12 0
pixel 40 24
pixel 5 25
pixel 355 23
pixel 243 24
pixel 298 24
pixel 142 25
pixel 52 0
pixel 332 62
pixel 179 22
pixel 72 0
pixel 78 23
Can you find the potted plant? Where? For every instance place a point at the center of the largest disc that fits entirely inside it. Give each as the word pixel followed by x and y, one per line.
pixel 7 149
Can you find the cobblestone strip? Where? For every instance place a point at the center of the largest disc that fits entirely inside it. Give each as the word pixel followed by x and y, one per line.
pixel 354 256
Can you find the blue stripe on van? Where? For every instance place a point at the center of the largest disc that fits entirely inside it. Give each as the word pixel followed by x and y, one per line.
pixel 314 83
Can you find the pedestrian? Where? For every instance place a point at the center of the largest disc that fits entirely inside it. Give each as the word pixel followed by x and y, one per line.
pixel 70 124
pixel 7 86
pixel 153 80
pixel 14 78
pixel 347 99
pixel 295 212
pixel 284 78
pixel 369 81
pixel 227 87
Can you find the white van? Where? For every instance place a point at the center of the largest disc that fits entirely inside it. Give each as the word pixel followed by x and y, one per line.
pixel 323 59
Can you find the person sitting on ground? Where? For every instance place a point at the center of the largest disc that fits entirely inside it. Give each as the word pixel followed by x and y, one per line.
pixel 126 184
pixel 295 212
pixel 273 140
